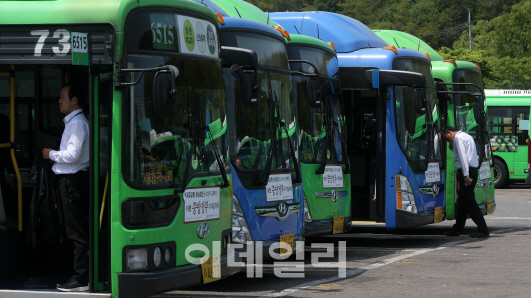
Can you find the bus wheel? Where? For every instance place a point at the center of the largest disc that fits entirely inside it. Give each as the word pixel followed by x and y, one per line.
pixel 501 175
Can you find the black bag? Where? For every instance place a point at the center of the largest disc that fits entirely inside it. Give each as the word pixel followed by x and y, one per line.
pixel 46 215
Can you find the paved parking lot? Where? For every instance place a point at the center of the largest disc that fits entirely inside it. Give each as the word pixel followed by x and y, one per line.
pixel 416 262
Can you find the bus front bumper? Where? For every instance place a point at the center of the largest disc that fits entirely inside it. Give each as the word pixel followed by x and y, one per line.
pixel 142 284
pixel 324 227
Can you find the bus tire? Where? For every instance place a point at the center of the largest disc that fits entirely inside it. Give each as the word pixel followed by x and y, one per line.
pixel 501 174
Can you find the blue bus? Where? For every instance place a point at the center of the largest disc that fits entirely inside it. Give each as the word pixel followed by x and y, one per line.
pixel 322 152
pixel 397 176
pixel 267 182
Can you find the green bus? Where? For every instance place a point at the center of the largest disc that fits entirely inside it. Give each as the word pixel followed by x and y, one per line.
pixel 509 129
pixel 463 83
pixel 160 189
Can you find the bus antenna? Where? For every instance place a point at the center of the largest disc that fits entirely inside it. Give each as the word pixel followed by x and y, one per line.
pixel 419 46
pixel 268 17
pixel 297 29
pixel 318 31
pixel 396 42
pixel 238 12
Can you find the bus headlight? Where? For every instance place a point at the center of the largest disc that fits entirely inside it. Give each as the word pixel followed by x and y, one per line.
pixel 405 199
pixel 157 256
pixel 137 259
pixel 240 229
pixel 307 214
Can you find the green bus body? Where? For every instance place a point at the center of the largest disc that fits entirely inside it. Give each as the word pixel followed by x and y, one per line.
pixel 324 204
pixel 137 199
pixel 444 71
pixel 509 118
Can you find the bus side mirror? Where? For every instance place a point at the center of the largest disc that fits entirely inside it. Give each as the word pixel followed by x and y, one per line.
pixel 249 89
pixel 420 101
pixel 243 65
pixel 315 94
pixel 479 112
pixel 164 92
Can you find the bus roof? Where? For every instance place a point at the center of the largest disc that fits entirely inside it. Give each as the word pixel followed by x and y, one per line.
pixel 86 12
pixel 408 41
pixel 346 33
pixel 508 93
pixel 246 10
pixel 237 23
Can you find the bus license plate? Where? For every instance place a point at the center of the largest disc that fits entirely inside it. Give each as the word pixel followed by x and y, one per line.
pixel 339 221
pixel 437 216
pixel 490 208
pixel 288 239
pixel 211 268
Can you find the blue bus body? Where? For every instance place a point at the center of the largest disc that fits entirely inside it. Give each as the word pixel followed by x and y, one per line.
pixel 263 219
pixel 379 199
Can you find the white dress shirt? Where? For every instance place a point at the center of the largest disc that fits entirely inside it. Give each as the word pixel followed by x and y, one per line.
pixel 74 150
pixel 465 152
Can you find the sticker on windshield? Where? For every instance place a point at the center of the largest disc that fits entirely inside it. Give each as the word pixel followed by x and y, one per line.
pixel 201 204
pixel 333 177
pixel 433 174
pixel 279 188
pixel 484 170
pixel 196 36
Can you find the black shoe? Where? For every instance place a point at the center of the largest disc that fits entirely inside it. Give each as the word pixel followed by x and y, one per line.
pixel 73 285
pixel 453 233
pixel 479 235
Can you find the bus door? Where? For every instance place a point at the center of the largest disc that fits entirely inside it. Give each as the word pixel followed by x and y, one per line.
pixel 471 117
pixel 32 255
pixel 367 93
pixel 364 118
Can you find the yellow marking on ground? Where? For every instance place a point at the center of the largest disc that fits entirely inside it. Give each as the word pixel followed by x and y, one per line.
pixel 407 261
pixel 325 287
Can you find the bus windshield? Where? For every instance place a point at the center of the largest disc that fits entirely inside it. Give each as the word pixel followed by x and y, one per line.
pixel 165 149
pixel 464 114
pixel 315 123
pixel 412 129
pixel 272 121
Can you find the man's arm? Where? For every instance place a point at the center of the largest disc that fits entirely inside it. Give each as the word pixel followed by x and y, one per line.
pixel 73 147
pixel 463 158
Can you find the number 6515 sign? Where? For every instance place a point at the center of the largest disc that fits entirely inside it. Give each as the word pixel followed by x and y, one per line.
pixel 80 48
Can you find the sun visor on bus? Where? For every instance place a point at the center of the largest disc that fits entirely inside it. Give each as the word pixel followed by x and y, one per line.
pixel 346 33
pixel 354 78
pixel 50 44
pixel 397 78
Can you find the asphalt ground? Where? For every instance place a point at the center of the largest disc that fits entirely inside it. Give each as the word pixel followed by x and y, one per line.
pixel 415 262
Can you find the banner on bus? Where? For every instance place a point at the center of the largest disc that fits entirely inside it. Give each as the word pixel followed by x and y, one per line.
pixel 201 204
pixel 279 188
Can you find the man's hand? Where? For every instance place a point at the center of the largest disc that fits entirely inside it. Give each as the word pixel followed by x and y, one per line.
pixel 46 153
pixel 468 181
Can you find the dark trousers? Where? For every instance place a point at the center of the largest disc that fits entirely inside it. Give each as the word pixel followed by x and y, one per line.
pixel 467 205
pixel 74 193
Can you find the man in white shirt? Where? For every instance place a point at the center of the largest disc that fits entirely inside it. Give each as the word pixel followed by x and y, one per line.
pixel 71 165
pixel 467 163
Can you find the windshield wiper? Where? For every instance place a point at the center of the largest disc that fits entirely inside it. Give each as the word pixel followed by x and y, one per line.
pixel 281 124
pixel 189 154
pixel 218 158
pixel 327 109
pixel 272 147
